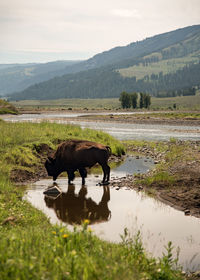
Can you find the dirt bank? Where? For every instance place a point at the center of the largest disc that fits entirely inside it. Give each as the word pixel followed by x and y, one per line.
pixel 184 192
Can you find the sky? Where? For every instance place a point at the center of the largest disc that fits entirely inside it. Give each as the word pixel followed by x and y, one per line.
pixel 49 30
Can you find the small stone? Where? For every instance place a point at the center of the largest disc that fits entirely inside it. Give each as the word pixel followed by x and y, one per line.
pixel 10 220
pixel 52 191
pixel 187 212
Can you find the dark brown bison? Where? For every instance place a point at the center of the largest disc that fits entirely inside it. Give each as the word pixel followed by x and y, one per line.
pixel 75 155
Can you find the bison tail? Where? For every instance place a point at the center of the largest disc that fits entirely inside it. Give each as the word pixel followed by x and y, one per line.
pixel 109 150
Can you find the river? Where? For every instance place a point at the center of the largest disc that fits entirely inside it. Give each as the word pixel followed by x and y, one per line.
pixel 121 131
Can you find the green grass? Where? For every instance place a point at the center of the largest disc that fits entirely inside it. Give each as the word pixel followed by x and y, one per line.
pixel 165 66
pixel 19 142
pixel 32 248
pixel 170 65
pixel 173 154
pixel 68 104
pixel 182 103
pixel 160 177
pixel 7 108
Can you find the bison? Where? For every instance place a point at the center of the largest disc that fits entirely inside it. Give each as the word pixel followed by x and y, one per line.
pixel 75 155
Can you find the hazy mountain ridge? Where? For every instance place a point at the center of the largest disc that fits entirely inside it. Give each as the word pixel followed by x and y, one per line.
pixel 16 77
pixel 108 81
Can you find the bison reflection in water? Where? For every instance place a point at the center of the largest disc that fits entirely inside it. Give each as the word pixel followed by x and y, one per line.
pixel 74 208
pixel 75 155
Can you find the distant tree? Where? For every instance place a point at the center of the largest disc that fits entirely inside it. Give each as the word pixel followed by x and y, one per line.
pixel 141 100
pixel 147 100
pixel 125 100
pixel 134 97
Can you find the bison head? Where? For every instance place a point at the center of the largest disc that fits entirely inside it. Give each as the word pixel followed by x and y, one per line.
pixel 52 168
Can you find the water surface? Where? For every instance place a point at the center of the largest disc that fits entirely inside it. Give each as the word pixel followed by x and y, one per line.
pixel 111 210
pixel 121 131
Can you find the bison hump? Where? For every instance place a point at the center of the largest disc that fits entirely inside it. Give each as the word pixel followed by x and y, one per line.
pixel 88 146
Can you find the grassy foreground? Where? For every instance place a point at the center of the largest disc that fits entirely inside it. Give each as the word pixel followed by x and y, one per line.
pixel 32 248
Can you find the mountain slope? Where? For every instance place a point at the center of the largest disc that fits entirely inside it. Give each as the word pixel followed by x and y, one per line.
pixel 179 47
pixel 16 77
pixel 169 59
pixel 135 49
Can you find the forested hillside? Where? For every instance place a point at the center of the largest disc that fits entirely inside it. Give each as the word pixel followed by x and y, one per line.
pixel 106 84
pixel 16 77
pixel 166 64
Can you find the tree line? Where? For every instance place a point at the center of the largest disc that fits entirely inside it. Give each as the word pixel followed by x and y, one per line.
pixel 129 100
pixel 180 92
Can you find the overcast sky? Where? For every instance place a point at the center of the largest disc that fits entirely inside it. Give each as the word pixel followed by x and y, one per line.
pixel 47 30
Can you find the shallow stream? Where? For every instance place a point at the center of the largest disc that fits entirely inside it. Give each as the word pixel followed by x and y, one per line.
pixel 111 210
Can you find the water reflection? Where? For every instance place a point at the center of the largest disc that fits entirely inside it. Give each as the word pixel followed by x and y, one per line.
pixel 72 208
pixel 157 222
pixel 111 210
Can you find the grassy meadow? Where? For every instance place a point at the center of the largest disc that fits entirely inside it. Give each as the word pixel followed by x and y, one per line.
pixel 182 103
pixel 32 248
pixel 68 104
pixel 165 66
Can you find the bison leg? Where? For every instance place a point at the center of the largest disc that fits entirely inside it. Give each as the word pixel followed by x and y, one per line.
pixel 106 173
pixel 83 173
pixel 71 176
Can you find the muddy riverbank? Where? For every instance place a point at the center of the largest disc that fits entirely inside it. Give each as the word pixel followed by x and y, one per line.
pixel 184 192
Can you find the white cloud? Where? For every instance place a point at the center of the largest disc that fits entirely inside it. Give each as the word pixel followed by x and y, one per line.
pixel 88 26
pixel 125 13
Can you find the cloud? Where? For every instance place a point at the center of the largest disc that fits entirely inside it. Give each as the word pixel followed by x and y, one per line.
pixel 125 13
pixel 88 26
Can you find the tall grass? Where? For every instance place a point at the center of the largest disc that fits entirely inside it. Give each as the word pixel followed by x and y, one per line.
pixel 31 248
pixel 13 134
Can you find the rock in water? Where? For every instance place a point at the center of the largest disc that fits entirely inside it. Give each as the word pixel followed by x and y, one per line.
pixel 54 190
